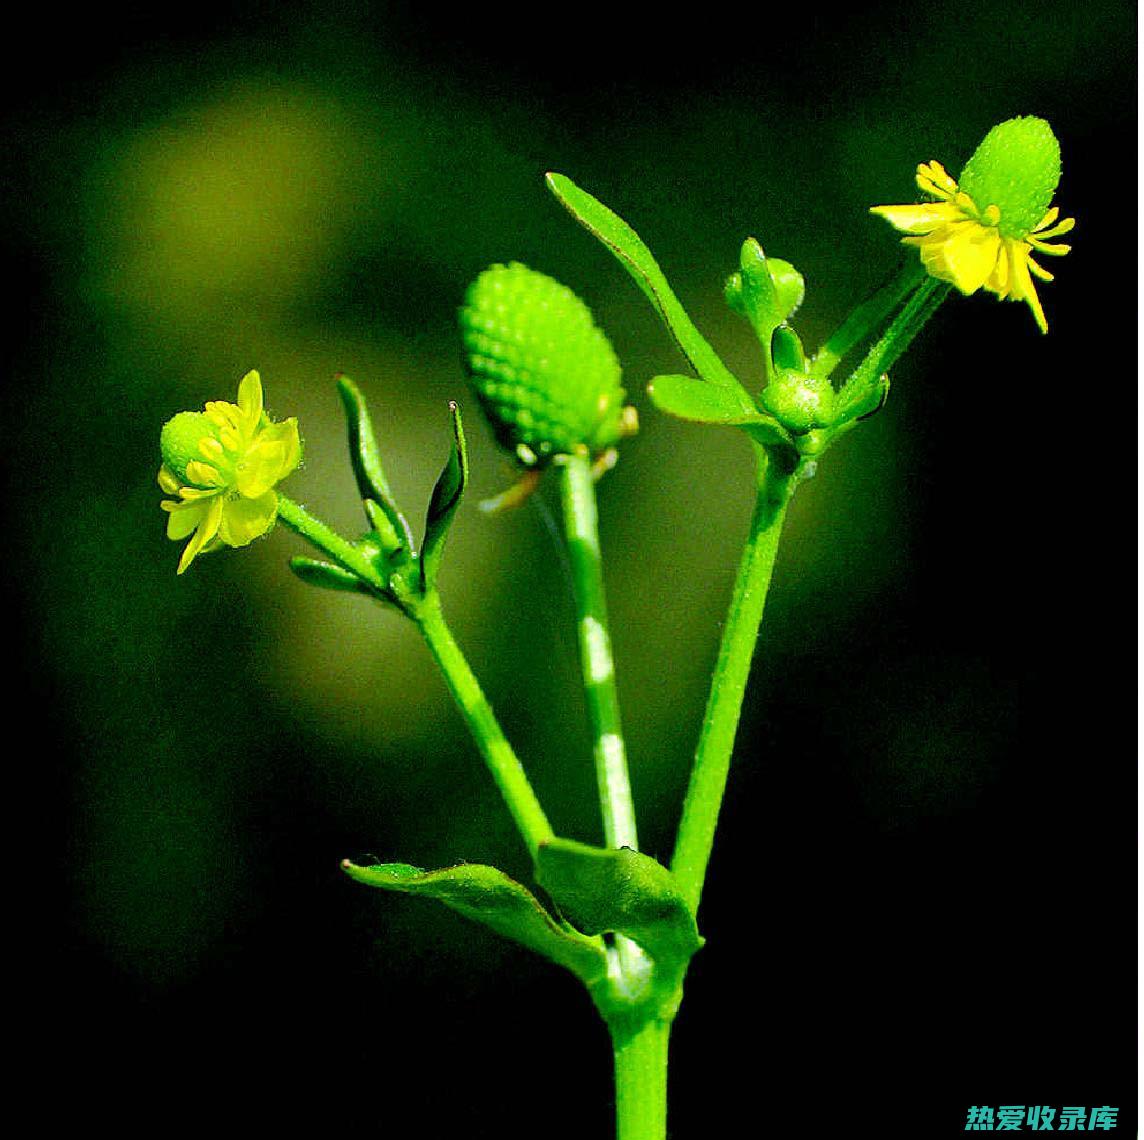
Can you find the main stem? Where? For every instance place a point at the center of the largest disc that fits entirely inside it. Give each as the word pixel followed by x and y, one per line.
pixel 729 683
pixel 641 1082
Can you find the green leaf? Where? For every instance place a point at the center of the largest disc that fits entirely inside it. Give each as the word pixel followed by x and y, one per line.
pixel 366 460
pixel 443 502
pixel 689 399
pixel 637 259
pixel 620 891
pixel 489 896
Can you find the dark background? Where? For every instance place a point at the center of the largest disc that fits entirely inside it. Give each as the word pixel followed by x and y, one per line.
pixel 923 890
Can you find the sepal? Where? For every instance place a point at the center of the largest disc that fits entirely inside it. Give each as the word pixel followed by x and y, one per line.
pixel 327 576
pixel 443 503
pixel 395 533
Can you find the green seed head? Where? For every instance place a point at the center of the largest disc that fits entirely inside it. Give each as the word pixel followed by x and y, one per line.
pixel 546 376
pixel 1016 168
pixel 179 441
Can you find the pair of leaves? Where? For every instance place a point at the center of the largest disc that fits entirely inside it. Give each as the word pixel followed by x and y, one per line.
pixel 598 891
pixel 380 505
pixel 393 546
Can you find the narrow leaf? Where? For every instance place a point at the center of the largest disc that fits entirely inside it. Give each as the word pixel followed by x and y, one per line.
pixel 620 891
pixel 637 259
pixel 366 460
pixel 443 502
pixel 328 576
pixel 489 896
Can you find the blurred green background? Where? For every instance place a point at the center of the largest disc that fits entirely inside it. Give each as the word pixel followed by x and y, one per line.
pixel 922 892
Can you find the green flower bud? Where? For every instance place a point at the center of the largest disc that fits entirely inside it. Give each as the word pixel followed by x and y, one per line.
pixel 545 374
pixel 1016 168
pixel 798 401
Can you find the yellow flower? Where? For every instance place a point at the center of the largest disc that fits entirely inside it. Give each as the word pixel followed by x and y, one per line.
pixel 223 464
pixel 981 233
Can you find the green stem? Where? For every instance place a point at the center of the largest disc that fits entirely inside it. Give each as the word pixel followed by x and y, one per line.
pixel 898 337
pixel 631 966
pixel 641 1082
pixel 314 531
pixel 867 316
pixel 499 756
pixel 578 498
pixel 729 683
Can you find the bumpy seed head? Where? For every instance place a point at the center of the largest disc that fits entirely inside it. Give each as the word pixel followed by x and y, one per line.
pixel 1016 168
pixel 545 374
pixel 180 439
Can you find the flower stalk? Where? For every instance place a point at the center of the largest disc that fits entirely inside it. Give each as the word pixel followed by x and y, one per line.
pixel 500 759
pixel 696 835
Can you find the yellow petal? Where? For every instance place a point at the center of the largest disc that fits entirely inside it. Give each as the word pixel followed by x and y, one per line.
pixel 204 475
pixel 965 254
pixel 223 415
pixel 245 519
pixel 183 518
pixel 919 219
pixel 1053 249
pixel 1062 227
pixel 167 481
pixel 260 468
pixel 1024 290
pixel 192 493
pixel 999 279
pixel 207 529
pixel 285 433
pixel 250 399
